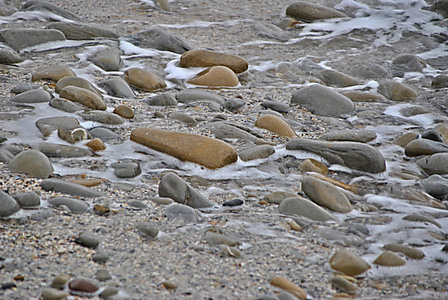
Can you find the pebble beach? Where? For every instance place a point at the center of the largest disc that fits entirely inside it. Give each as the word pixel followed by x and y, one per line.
pixel 189 149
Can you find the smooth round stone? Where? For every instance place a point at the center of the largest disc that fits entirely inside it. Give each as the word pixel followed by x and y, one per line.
pixel 103 275
pixel 182 117
pixel 257 152
pixel 322 100
pixel 347 262
pixel 103 133
pixel 432 134
pixel 27 200
pixel 299 206
pixel 424 147
pixel 214 239
pixel 276 125
pixel 100 257
pixel 53 73
pixel 124 111
pixel 53 294
pixel 180 211
pixel 440 82
pixel 289 286
pixel 406 138
pixel 66 187
pixel 108 60
pixel 351 135
pixel 24 87
pixel 158 38
pixel 82 286
pixel 208 58
pixel 117 87
pixel 47 125
pixel 19 39
pixel 169 285
pixel 407 63
pixel 436 186
pixel 76 81
pixel 225 130
pixel 65 105
pixel 278 196
pixel 88 240
pixel 389 259
pixel 176 188
pixel 234 202
pixel 127 169
pixel 147 229
pixel 309 12
pixel 31 162
pixel 83 96
pixel 312 165
pixel 76 206
pixel 162 200
pixel 102 117
pixel 335 78
pixel 218 76
pixel 442 129
pixel 32 96
pixel 82 31
pixel 96 144
pixel 325 194
pixel 193 95
pixel 9 56
pixel 8 205
pixel 276 106
pixel 396 91
pixel 408 251
pixel 60 281
pixel 234 104
pixel 59 150
pixel 143 79
pixel 138 204
pixel 163 99
pixel 434 164
pixel 206 151
pixel 109 292
pixel 344 285
pixel 358 96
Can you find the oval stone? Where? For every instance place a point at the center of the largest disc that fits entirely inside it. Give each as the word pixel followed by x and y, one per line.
pixel 207 58
pixel 302 207
pixel 75 81
pixel 124 111
pixel 8 205
pixel 309 12
pixel 349 263
pixel 31 162
pixel 434 164
pixel 143 79
pixel 396 91
pixel 276 125
pixel 108 60
pixel 32 96
pixel 389 259
pixel 206 151
pixel 217 76
pixel 83 96
pixel 335 78
pixel 53 73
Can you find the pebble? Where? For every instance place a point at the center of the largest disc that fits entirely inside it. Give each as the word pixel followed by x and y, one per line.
pixel 83 31
pixel 76 206
pixel 83 96
pixel 169 285
pixel 182 117
pixel 66 187
pixel 189 96
pixel 218 76
pixel 347 262
pixel 257 152
pixel 102 117
pixel 60 281
pixel 187 146
pixel 180 211
pixel 276 125
pixel 124 111
pixel 143 79
pixel 65 105
pixel 299 206
pixel 234 104
pixel 312 165
pixel 23 87
pixel 278 196
pixel 88 240
pixel 354 155
pixel 19 39
pixel 406 138
pixel 9 56
pixel 276 106
pixel 117 87
pixel 421 218
pixel 322 100
pixel 396 91
pixel 162 200
pixel 96 144
pixel 139 204
pixel 325 194
pixel 207 58
pixel 215 239
pixel 27 200
pixel 163 99
pixel 81 286
pixel 351 135
pixel 126 168
pixel 176 188
pixel 440 82
pixel 53 73
pixel 103 275
pixel 147 230
pixel 109 292
pixel 424 147
pixel 32 96
pixel 100 257
pixel 434 164
pixel 225 130
pixel 389 259
pixel 436 186
pixel 75 81
pixel 31 162
pixel 309 12
pixel 107 59
pixel 234 202
pixel 59 150
pixel 335 78
pixel 406 250
pixel 104 134
pixel 158 38
pixel 8 205
pixel 404 63
pixel 344 285
pixel 271 31
pixel 53 294
pixel 289 286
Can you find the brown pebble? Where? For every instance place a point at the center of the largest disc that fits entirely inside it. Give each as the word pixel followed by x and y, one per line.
pixel 262 202
pixel 96 144
pixel 124 111
pixel 169 285
pixel 289 286
pixel 19 278
pixel 101 209
pixel 389 259
pixel 82 286
pixel 87 182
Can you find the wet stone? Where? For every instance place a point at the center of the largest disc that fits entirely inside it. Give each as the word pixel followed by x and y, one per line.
pixel 31 162
pixel 407 63
pixel 75 81
pixel 108 60
pixel 47 125
pixel 83 96
pixel 65 105
pixel 396 91
pixel 279 196
pixel 8 205
pixel 32 96
pixel 103 133
pixel 9 56
pixel 102 117
pixel 434 164
pixel 440 82
pixel 96 144
pixel 66 187
pixel 410 252
pixel 76 206
pixel 257 152
pixel 389 259
pixel 421 218
pixel 424 147
pixel 27 200
pixel 147 230
pixel 24 87
pixel 312 165
pixel 5 155
pixel 117 87
pixel 234 202
pixel 124 111
pixel 88 240
pixel 436 186
pixel 406 138
pixel 53 73
pixel 432 134
pixel 276 106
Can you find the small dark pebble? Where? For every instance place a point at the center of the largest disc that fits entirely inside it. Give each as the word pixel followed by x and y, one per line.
pixel 234 202
pixel 8 285
pixel 445 248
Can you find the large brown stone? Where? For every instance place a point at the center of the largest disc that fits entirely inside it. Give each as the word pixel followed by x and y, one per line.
pixel 309 12
pixel 53 73
pixel 207 58
pixel 206 151
pixel 216 77
pixel 143 79
pixel 83 96
pixel 276 125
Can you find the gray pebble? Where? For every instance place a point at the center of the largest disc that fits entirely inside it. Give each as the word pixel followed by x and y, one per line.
pixel 27 200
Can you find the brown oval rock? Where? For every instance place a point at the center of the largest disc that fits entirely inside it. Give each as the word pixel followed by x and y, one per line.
pixel 82 286
pixel 309 12
pixel 335 78
pixel 406 250
pixel 216 77
pixel 389 259
pixel 289 286
pixel 396 91
pixel 208 58
pixel 347 262
pixel 53 73
pixel 75 81
pixel 312 165
pixel 143 79
pixel 124 111
pixel 83 96
pixel 276 125
pixel 96 145
pixel 209 152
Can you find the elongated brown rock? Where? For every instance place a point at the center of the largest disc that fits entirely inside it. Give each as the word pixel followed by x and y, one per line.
pixel 207 58
pixel 276 125
pixel 289 286
pixel 83 96
pixel 209 152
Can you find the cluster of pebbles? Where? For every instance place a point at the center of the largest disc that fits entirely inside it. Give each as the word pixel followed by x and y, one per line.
pixel 222 150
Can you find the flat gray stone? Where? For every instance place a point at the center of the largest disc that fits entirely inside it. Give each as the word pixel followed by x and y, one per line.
pixel 32 96
pixel 436 186
pixel 9 56
pixel 302 207
pixel 108 60
pixel 47 125
pixel 88 240
pixel 147 229
pixel 8 205
pixel 276 106
pixel 60 150
pixel 192 95
pixel 257 152
pixel 83 31
pixel 103 133
pixel 102 117
pixel 36 5
pixel 65 105
pixel 31 162
pixel 424 147
pixel 349 135
pixel 354 155
pixel 65 187
pixel 163 99
pixel 126 169
pixel 322 100
pixel 234 104
pixel 19 39
pixel 76 206
pixel 27 200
